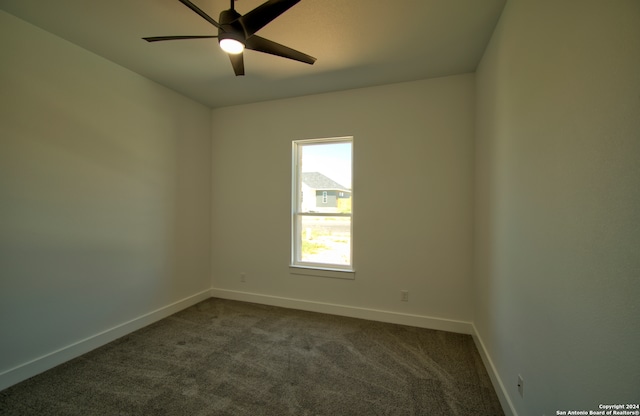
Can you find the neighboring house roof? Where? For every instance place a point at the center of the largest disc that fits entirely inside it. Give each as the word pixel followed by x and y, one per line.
pixel 317 180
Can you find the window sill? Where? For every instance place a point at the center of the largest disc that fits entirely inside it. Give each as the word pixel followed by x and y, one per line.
pixel 320 272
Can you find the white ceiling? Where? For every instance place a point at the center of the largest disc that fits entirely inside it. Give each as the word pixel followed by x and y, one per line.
pixel 358 43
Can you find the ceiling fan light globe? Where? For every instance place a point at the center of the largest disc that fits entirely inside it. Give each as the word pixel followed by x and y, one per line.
pixel 231 46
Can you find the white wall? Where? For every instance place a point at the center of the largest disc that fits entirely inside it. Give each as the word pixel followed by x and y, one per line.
pixel 413 157
pixel 558 203
pixel 104 199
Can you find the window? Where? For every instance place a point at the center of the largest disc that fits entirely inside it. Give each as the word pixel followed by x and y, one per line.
pixel 322 195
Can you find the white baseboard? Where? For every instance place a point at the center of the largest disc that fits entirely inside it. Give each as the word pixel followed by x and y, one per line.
pixel 48 361
pixel 498 386
pixel 420 321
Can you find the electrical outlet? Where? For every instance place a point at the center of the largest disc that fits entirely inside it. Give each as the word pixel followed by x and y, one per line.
pixel 520 385
pixel 243 277
pixel 404 295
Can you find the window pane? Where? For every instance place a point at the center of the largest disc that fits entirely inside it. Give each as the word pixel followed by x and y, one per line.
pixel 325 240
pixel 325 177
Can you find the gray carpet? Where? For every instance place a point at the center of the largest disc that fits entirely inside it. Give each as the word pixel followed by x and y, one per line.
pixel 225 357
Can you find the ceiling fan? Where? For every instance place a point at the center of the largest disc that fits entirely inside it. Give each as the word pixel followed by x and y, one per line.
pixel 236 32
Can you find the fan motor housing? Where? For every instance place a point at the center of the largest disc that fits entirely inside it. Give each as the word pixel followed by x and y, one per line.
pixel 230 28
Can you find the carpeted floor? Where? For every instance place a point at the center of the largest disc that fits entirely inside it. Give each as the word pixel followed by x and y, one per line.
pixel 225 357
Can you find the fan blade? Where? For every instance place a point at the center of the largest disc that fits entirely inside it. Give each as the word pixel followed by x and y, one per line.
pixel 237 61
pixel 161 38
pixel 256 43
pixel 258 18
pixel 200 12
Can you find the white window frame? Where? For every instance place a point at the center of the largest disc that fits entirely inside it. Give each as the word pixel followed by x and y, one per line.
pixel 308 268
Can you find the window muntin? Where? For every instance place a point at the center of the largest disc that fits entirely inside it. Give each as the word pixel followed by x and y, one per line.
pixel 322 214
